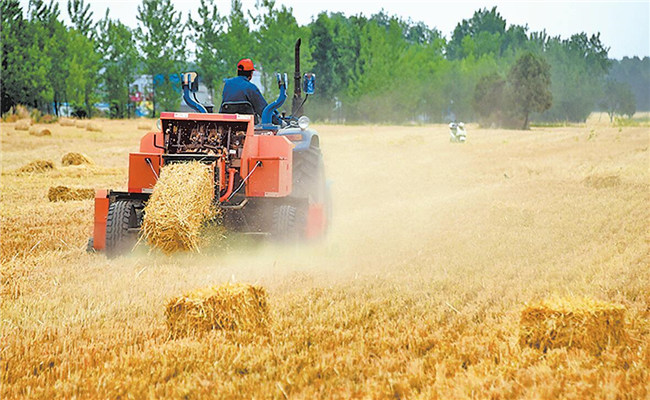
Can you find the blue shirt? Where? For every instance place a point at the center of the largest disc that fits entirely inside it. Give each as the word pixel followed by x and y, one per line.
pixel 240 88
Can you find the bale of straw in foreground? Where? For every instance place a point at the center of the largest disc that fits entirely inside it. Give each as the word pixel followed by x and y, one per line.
pixel 37 131
pixel 22 125
pixel 37 166
pixel 93 127
pixel 75 159
pixel 179 205
pixel 229 306
pixel 580 323
pixel 64 193
pixel 66 122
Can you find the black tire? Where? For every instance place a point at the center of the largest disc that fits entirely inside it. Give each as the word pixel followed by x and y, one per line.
pixel 122 217
pixel 309 175
pixel 287 223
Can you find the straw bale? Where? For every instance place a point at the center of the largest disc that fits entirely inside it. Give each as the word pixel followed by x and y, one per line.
pixel 581 323
pixel 602 182
pixel 80 123
pixel 179 205
pixel 93 127
pixel 37 131
pixel 64 193
pixel 67 122
pixel 37 166
pixel 22 125
pixel 231 306
pixel 144 125
pixel 76 159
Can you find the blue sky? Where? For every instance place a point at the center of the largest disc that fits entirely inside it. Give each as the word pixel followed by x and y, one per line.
pixel 624 25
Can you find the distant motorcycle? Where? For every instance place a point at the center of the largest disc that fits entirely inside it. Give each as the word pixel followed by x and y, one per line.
pixel 457 133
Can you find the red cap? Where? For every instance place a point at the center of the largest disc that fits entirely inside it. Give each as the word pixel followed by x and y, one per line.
pixel 246 65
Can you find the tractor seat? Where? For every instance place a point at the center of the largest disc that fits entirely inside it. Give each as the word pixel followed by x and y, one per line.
pixel 238 107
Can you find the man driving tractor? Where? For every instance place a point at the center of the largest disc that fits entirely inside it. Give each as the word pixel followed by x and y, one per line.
pixel 240 94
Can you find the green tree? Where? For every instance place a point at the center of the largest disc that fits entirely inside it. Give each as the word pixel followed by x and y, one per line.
pixel 52 37
pixel 579 66
pixel 335 45
pixel 208 34
pixel 530 82
pixel 238 41
pixel 489 98
pixel 379 61
pixel 618 99
pixel 84 63
pixel 24 64
pixel 635 72
pixel 481 34
pixel 162 47
pixel 120 61
pixel 276 39
pixel 81 17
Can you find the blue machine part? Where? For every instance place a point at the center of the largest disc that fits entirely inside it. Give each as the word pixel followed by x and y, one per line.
pixel 190 85
pixel 269 110
pixel 306 137
pixel 309 83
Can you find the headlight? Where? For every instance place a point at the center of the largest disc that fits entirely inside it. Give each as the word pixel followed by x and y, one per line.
pixel 303 122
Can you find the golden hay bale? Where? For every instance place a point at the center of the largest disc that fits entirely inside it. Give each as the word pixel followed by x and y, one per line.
pixel 93 127
pixel 76 159
pixel 144 125
pixel 80 123
pixel 37 131
pixel 22 125
pixel 601 182
pixel 179 205
pixel 67 122
pixel 580 323
pixel 37 166
pixel 64 193
pixel 231 306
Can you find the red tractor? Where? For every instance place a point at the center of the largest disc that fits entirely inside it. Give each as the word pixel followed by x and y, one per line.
pixel 269 179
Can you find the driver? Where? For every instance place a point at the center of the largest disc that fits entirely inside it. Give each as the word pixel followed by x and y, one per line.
pixel 240 88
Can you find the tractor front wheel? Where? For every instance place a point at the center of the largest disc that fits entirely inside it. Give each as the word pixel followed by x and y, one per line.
pixel 122 223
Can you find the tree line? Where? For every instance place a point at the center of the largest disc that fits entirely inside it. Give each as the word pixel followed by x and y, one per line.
pixel 380 68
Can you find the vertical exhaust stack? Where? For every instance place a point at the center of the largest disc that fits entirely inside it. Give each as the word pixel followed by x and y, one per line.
pixel 296 105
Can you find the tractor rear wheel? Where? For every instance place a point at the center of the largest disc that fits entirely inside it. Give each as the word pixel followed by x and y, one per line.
pixel 288 224
pixel 309 175
pixel 309 181
pixel 121 227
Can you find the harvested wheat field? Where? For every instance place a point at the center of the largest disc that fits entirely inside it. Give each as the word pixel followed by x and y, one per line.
pixel 436 253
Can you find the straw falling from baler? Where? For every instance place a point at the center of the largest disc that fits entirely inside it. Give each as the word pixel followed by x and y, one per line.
pixel 179 205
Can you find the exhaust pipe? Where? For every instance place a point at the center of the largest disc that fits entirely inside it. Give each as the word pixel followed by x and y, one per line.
pixel 296 104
